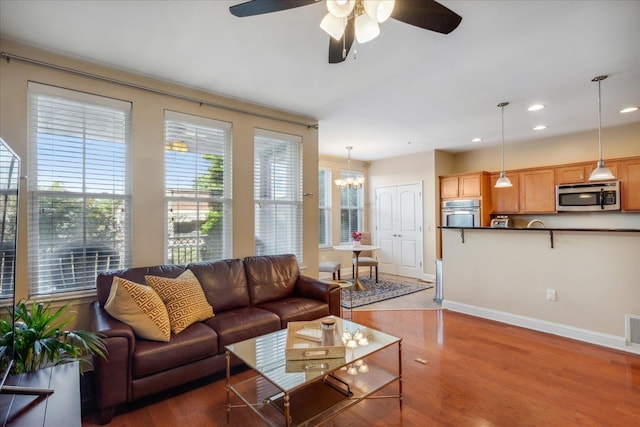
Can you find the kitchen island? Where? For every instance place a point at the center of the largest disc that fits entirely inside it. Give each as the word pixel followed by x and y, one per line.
pixel 506 274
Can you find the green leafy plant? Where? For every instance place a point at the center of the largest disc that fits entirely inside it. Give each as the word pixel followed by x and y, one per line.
pixel 38 338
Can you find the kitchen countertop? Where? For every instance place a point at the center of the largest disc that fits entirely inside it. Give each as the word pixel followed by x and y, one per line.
pixel 614 230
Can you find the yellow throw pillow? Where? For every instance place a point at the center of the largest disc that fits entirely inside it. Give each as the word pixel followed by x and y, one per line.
pixel 184 299
pixel 140 307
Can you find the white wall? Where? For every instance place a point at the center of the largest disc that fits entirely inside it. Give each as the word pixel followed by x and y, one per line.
pixel 504 274
pixel 411 169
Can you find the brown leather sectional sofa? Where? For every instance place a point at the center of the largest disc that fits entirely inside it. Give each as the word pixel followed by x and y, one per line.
pixel 250 297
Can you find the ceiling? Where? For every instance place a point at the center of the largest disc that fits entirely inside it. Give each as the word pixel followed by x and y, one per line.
pixel 409 90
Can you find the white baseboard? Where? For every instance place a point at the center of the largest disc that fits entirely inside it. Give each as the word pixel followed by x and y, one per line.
pixel 585 335
pixel 428 277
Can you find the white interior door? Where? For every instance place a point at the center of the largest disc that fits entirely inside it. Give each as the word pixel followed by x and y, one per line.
pixel 399 229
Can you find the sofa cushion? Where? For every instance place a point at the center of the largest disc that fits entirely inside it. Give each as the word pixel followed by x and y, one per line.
pixel 243 323
pixel 196 342
pixel 296 309
pixel 135 274
pixel 223 282
pixel 140 307
pixel 271 278
pixel 184 299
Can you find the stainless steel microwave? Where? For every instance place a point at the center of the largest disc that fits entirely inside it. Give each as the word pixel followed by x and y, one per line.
pixel 593 196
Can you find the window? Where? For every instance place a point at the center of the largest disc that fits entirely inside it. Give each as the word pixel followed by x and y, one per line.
pixel 79 193
pixel 197 189
pixel 324 205
pixel 277 182
pixel 351 208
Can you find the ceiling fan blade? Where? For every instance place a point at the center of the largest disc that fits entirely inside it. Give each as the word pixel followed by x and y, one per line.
pixel 258 7
pixel 336 46
pixel 427 14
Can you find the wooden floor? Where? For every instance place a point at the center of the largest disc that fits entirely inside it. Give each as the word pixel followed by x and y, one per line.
pixel 477 373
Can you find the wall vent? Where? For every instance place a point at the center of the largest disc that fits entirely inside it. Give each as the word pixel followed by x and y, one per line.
pixel 632 330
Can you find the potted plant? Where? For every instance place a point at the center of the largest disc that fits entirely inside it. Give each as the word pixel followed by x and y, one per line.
pixel 37 339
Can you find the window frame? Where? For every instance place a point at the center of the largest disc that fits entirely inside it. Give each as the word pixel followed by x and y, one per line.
pixel 194 126
pixel 82 121
pixel 281 192
pixel 325 205
pixel 358 209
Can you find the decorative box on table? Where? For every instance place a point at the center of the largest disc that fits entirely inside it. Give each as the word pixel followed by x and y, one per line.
pixel 318 339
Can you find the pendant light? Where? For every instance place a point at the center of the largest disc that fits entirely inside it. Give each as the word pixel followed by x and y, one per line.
pixel 601 172
pixel 503 181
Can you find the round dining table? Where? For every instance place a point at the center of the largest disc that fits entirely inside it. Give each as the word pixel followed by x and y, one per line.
pixel 356 249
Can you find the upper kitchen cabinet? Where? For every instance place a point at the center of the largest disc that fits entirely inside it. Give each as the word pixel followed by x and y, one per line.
pixel 570 174
pixel 580 173
pixel 505 200
pixel 630 183
pixel 462 186
pixel 533 191
pixel 537 191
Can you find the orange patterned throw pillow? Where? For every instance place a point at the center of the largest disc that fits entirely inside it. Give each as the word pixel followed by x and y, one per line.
pixel 184 299
pixel 140 307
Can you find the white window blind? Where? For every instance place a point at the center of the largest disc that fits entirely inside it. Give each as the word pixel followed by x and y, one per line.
pixel 324 206
pixel 277 178
pixel 351 208
pixel 9 182
pixel 79 193
pixel 197 188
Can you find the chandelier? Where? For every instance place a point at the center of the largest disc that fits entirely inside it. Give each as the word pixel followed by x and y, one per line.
pixel 367 14
pixel 349 181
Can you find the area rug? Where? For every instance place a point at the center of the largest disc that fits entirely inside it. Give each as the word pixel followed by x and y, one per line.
pixel 383 290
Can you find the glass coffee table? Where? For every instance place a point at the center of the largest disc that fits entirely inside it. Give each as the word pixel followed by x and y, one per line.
pixel 309 392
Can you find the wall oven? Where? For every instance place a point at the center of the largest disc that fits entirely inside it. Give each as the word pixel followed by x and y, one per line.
pixel 595 196
pixel 461 213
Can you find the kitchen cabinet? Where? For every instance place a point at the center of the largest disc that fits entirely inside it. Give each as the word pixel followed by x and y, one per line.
pixel 537 191
pixel 461 187
pixel 580 173
pixel 533 191
pixel 449 187
pixel 505 200
pixel 570 174
pixel 630 183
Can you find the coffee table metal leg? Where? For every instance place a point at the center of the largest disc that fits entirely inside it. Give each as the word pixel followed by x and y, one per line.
pixel 228 386
pixel 400 372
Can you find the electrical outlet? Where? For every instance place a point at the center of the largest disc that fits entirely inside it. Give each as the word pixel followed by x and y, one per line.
pixel 551 295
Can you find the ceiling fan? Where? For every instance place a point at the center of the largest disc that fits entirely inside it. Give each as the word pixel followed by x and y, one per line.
pixel 343 20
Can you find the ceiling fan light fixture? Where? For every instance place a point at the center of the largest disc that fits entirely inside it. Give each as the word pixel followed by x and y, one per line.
pixel 333 26
pixel 340 8
pixel 379 10
pixel 366 28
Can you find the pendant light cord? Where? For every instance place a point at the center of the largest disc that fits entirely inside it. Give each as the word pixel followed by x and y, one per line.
pixel 502 138
pixel 599 123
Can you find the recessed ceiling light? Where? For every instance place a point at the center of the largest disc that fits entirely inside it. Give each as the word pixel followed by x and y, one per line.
pixel 536 107
pixel 476 140
pixel 629 110
pixel 540 127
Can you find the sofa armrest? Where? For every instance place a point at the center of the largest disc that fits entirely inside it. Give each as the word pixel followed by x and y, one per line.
pixel 103 323
pixel 327 292
pixel 113 375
